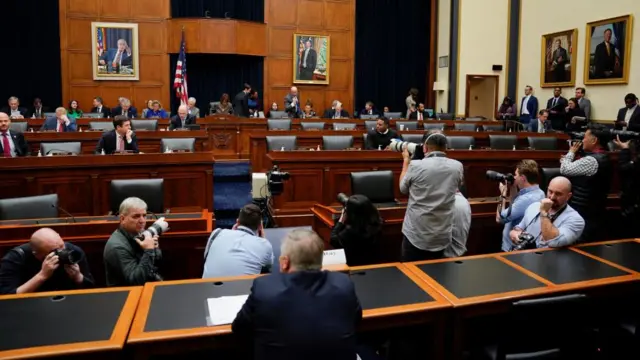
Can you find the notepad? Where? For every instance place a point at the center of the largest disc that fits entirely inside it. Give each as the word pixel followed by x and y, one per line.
pixel 223 310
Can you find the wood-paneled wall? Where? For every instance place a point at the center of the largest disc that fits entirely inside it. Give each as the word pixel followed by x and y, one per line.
pixel 76 45
pixel 325 17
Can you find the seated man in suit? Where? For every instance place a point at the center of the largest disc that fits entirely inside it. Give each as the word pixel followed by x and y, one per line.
pixel 120 139
pixel 369 109
pixel 336 111
pixel 542 124
pixel 125 108
pixel 182 119
pixel 38 110
pixel 12 143
pixel 98 107
pixel 629 116
pixel 114 59
pixel 59 123
pixel 380 139
pixel 14 110
pixel 419 114
pixel 193 110
pixel 301 312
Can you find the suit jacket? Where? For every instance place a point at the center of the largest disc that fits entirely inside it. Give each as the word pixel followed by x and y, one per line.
pixel 131 114
pixel 312 60
pixel 51 123
pixel 558 118
pixel 241 104
pixel 634 122
pixel 533 125
pixel 23 111
pixel 176 123
pixel 19 143
pixel 309 315
pixel 32 112
pixel 414 115
pixel 195 112
pixel 373 112
pixel 292 111
pixel 108 143
pixel 106 112
pixel 330 113
pixel 532 106
pixel 585 105
pixel 110 55
pixel 604 61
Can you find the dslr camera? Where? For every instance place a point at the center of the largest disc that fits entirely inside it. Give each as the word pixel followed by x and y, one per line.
pixel 157 228
pixel 526 241
pixel 496 176
pixel 67 257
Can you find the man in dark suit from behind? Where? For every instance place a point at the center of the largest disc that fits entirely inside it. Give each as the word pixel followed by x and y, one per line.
pixel 301 312
pixel 12 143
pixel 419 114
pixel 182 119
pixel 629 116
pixel 241 102
pixel 120 139
pixel 14 110
pixel 98 107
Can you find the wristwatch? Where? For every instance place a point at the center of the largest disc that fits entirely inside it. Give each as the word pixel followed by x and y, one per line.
pixel 544 214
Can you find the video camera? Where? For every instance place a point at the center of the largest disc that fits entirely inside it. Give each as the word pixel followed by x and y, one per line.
pixel 275 179
pixel 496 176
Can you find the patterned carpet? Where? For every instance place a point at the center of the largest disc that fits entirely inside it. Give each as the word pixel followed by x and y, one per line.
pixel 231 189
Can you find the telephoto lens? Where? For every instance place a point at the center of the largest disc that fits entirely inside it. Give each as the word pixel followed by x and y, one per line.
pixel 496 176
pixel 157 228
pixel 343 199
pixel 399 146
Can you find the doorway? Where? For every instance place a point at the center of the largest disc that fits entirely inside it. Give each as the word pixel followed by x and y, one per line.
pixel 482 96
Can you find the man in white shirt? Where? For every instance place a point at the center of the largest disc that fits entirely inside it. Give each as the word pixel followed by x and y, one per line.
pixel 528 106
pixel 460 229
pixel 629 116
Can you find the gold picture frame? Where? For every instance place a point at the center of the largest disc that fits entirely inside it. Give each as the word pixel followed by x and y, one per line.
pixel 311 66
pixel 608 64
pixel 558 59
pixel 114 52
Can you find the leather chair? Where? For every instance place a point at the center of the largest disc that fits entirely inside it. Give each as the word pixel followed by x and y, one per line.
pixel 149 125
pixel 460 142
pixel 101 125
pixel 19 126
pixel 312 125
pixel 279 124
pixel 149 190
pixel 465 127
pixel 370 125
pixel 408 125
pixel 276 143
pixel 344 126
pixel 178 144
pixel 375 185
pixel 493 127
pixel 433 126
pixel 364 140
pixel 29 207
pixel 337 142
pixel 278 115
pixel 546 175
pixel 502 142
pixel 444 116
pixel 66 148
pixel 543 143
pixel 414 138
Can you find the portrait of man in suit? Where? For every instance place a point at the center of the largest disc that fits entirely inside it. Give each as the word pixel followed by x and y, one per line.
pixel 311 59
pixel 115 52
pixel 557 66
pixel 609 46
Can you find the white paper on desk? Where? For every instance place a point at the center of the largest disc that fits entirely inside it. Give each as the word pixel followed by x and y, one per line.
pixel 334 257
pixel 223 310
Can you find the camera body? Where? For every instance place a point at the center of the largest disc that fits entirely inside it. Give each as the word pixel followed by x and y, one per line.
pixel 503 178
pixel 275 179
pixel 526 241
pixel 67 257
pixel 157 228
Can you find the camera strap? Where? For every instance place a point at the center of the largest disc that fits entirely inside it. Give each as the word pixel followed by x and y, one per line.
pixel 551 217
pixel 215 234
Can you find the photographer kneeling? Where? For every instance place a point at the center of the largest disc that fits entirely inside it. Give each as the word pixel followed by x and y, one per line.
pixel 46 263
pixel 550 222
pixel 357 231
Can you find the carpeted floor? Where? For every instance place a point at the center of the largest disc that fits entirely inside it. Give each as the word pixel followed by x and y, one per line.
pixel 231 189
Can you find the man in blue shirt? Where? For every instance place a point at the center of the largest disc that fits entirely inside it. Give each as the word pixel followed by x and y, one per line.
pixel 243 250
pixel 523 192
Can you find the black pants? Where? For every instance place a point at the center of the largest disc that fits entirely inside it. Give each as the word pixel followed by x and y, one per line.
pixel 412 253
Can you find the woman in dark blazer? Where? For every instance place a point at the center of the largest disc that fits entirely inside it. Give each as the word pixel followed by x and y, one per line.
pixel 573 110
pixel 358 231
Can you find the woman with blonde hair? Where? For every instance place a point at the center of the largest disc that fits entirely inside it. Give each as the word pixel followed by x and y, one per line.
pixel 156 111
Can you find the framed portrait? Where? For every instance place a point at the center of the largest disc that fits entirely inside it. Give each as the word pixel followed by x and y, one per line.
pixel 311 59
pixel 115 51
pixel 559 53
pixel 608 51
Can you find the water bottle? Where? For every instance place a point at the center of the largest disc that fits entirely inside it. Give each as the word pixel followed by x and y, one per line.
pixel 282 148
pixel 514 147
pixel 379 147
pixel 318 148
pixel 102 152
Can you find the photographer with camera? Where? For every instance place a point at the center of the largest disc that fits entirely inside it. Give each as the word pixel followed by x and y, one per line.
pixel 590 176
pixel 519 191
pixel 131 253
pixel 550 222
pixel 45 263
pixel 431 184
pixel 629 183
pixel 358 230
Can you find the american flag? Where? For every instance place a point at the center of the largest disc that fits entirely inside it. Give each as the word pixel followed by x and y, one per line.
pixel 101 41
pixel 180 82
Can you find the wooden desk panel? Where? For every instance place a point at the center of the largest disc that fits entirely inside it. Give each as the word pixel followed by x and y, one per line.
pixel 82 182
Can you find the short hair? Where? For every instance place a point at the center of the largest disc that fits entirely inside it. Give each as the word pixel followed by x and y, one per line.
pixel 436 140
pixel 98 99
pixel 630 96
pixel 582 90
pixel 528 169
pixel 13 98
pixel 131 203
pixel 120 120
pixel 126 102
pixel 541 112
pixel 153 102
pixel 528 86
pixel 192 99
pixel 61 109
pixel 601 133
pixel 369 103
pixel 386 120
pixel 609 30
pixel 247 86
pixel 250 216
pixel 557 88
pixel 304 249
pixel 334 103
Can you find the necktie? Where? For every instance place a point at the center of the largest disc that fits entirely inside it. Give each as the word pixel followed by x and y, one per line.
pixel 419 116
pixel 555 101
pixel 120 143
pixel 116 62
pixel 182 121
pixel 608 49
pixel 59 127
pixel 6 147
pixel 38 113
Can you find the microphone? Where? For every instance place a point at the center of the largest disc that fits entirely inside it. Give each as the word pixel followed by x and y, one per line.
pixel 65 212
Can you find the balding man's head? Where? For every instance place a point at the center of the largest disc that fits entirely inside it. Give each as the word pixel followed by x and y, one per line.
pixel 183 110
pixel 559 191
pixel 44 241
pixel 301 250
pixel 5 122
pixel 294 91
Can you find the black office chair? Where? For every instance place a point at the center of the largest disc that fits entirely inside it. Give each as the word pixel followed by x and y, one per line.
pixel 276 143
pixel 150 191
pixel 101 125
pixel 93 115
pixel 278 115
pixel 546 175
pixel 543 143
pixel 61 148
pixel 368 117
pixel 29 207
pixel 393 115
pixel 408 125
pixel 460 142
pixel 375 185
pixel 433 126
pixel 344 126
pixel 493 127
pixel 465 127
pixel 444 116
pixel 414 138
pixel 502 142
pixel 149 125
pixel 370 125
pixel 19 126
pixel 475 118
pixel 279 124
pixel 312 125
pixel 178 144
pixel 337 142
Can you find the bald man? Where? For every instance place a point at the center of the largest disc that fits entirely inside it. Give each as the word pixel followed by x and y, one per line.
pixel 551 222
pixel 183 118
pixel 292 103
pixel 34 267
